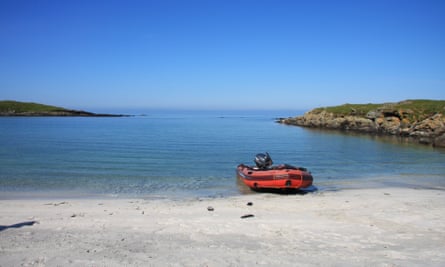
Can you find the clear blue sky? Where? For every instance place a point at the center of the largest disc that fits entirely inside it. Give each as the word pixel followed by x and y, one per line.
pixel 221 54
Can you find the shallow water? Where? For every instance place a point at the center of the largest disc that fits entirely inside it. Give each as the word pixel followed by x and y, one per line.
pixel 194 154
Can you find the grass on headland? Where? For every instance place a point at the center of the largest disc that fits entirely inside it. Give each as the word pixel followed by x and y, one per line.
pixel 20 107
pixel 416 109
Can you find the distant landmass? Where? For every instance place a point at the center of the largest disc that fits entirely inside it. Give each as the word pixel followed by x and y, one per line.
pixel 420 120
pixel 15 108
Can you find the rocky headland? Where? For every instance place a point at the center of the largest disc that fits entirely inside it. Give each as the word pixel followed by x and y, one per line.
pixel 422 121
pixel 24 109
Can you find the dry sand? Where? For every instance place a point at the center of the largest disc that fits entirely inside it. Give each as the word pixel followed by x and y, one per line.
pixel 372 227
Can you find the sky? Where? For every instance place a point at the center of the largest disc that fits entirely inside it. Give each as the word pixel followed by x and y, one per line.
pixel 221 54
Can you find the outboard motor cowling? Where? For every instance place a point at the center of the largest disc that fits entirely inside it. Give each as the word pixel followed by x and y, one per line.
pixel 263 161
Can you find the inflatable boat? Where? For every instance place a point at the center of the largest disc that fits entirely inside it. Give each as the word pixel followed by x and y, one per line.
pixel 266 176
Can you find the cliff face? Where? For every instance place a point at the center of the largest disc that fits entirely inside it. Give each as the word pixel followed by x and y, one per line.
pixel 423 125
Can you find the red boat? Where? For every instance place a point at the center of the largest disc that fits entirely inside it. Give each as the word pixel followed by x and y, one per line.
pixel 265 176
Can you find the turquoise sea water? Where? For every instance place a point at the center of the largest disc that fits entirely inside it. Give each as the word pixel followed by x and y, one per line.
pixel 194 154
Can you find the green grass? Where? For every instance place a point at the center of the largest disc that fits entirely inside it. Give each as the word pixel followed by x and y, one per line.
pixel 348 109
pixel 415 109
pixel 424 106
pixel 21 107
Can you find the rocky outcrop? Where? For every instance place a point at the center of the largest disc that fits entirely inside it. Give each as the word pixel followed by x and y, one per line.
pixel 424 129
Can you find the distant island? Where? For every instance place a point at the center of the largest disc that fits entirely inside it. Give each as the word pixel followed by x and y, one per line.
pixel 25 109
pixel 420 120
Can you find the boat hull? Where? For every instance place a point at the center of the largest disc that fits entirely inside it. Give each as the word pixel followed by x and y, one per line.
pixel 281 177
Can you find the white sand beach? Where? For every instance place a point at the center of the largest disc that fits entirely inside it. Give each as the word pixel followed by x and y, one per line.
pixel 372 227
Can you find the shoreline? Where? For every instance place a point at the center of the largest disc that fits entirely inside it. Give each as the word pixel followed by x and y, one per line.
pixel 236 190
pixel 366 227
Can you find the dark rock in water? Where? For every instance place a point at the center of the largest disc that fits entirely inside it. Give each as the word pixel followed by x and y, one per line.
pixel 439 141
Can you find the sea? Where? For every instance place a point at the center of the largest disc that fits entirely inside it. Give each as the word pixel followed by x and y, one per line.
pixel 194 154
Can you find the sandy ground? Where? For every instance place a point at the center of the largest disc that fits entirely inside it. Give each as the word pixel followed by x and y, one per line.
pixel 372 227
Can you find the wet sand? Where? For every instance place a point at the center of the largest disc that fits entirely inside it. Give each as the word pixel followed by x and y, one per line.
pixel 370 227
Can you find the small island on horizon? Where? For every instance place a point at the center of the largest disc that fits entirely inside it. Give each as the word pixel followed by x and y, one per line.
pixel 10 108
pixel 420 120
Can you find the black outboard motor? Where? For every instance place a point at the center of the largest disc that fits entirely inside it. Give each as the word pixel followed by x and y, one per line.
pixel 263 161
